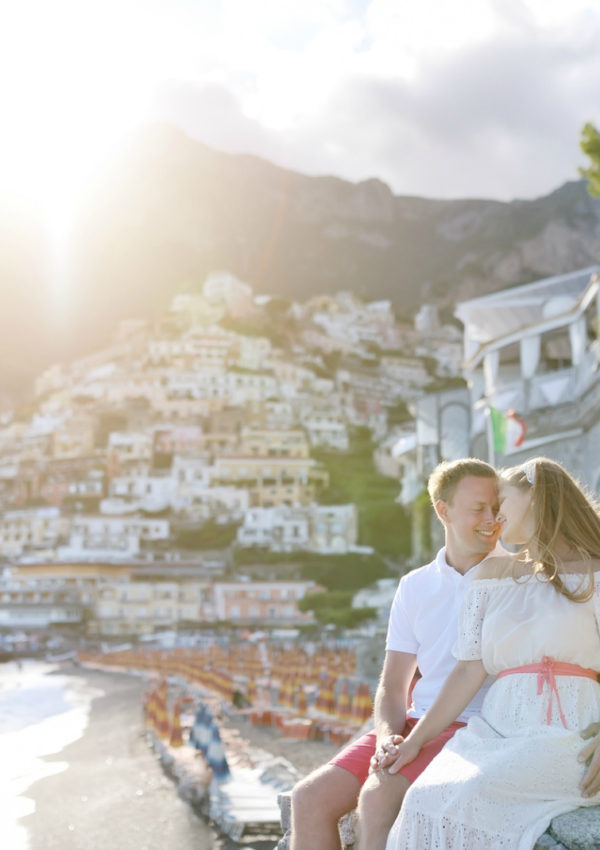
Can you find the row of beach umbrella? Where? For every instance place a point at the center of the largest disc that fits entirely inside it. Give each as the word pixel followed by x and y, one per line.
pixel 293 689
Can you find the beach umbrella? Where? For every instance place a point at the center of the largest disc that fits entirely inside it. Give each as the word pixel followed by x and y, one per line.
pixel 302 705
pixel 215 756
pixel 326 700
pixel 285 697
pixel 343 707
pixel 201 730
pixel 176 736
pixel 362 706
pixel 252 692
pixel 150 708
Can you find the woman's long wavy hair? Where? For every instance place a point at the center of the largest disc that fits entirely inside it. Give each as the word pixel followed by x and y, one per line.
pixel 564 514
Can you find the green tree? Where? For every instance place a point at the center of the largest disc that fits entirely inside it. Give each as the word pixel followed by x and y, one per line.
pixel 335 608
pixel 209 535
pixel 590 145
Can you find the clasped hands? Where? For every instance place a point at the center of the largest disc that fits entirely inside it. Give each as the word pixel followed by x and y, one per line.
pixel 393 752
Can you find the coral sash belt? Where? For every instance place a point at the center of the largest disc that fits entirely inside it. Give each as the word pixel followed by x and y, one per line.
pixel 547 669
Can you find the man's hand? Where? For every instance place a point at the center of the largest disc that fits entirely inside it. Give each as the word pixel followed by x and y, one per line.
pixel 385 753
pixel 590 754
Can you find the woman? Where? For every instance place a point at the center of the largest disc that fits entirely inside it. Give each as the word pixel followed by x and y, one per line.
pixel 531 620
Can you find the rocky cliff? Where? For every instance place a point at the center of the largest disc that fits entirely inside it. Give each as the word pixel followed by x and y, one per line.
pixel 168 210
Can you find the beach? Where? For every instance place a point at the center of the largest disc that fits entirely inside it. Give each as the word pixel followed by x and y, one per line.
pixel 83 776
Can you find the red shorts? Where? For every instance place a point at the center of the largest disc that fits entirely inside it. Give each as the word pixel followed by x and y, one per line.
pixel 356 757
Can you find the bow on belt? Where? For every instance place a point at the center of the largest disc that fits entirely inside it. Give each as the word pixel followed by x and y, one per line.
pixel 547 669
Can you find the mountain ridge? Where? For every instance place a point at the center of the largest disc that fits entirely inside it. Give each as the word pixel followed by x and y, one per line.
pixel 168 210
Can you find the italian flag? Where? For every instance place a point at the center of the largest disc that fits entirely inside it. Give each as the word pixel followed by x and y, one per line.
pixel 508 430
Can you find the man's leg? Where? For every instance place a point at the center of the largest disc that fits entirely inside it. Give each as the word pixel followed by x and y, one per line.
pixel 378 806
pixel 382 794
pixel 318 802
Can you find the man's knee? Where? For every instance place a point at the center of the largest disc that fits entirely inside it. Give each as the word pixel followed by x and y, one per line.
pixel 381 797
pixel 305 794
pixel 328 792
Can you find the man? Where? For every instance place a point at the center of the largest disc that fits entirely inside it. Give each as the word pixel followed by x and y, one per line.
pixel 422 630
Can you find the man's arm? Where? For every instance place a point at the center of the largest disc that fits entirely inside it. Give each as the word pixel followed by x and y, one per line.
pixel 391 697
pixel 590 784
pixel 391 703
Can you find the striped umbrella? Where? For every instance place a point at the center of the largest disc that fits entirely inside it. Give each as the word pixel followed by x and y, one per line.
pixel 343 707
pixel 362 707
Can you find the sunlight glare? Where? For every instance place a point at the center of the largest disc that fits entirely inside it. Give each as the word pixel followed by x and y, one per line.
pixel 70 92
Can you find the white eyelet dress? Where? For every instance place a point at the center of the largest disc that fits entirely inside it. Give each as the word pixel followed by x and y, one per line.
pixel 499 782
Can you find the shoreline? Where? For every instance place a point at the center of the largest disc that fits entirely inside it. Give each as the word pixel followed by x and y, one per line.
pixel 114 791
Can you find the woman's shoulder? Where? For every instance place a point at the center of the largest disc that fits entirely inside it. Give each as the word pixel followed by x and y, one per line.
pixel 502 566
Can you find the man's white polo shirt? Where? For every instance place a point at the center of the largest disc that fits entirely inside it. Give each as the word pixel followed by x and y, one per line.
pixel 424 621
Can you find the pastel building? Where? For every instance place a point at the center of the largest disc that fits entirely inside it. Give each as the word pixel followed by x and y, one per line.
pixel 267 603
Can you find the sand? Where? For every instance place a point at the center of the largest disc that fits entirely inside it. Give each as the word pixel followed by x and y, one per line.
pixel 115 794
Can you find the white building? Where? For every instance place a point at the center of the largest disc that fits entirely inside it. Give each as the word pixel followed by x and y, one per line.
pixel 130 446
pixel 281 529
pixel 111 537
pixel 196 498
pixel 327 432
pixel 150 493
pixel 535 350
pixel 222 287
pixel 334 528
pixel 126 607
pixel 31 529
pixel 326 529
pixel 253 352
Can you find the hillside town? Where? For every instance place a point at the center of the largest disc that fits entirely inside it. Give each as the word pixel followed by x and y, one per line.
pixel 133 475
pixel 209 417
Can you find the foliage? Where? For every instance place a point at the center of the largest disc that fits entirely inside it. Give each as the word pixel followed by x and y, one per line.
pixel 335 572
pixel 336 609
pixel 332 599
pixel 271 323
pixel 422 512
pixel 332 360
pixel 209 535
pixel 590 145
pixel 382 522
pixel 450 383
pixel 256 555
pixel 345 572
pixel 25 412
pixel 107 422
pixel 399 414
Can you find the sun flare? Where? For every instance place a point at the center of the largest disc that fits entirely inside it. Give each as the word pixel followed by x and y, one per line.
pixel 70 92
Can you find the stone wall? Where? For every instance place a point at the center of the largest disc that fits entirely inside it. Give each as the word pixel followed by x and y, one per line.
pixel 577 830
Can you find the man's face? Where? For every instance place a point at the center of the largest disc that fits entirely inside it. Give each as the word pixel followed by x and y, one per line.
pixel 470 517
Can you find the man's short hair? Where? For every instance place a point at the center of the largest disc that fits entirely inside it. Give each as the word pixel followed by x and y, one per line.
pixel 445 478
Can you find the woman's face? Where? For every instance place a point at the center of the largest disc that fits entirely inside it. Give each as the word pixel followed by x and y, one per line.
pixel 515 515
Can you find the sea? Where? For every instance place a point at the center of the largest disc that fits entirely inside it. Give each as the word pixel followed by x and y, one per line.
pixel 39 716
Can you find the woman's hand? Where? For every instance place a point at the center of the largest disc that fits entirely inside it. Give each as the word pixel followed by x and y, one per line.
pixel 406 752
pixel 385 753
pixel 590 754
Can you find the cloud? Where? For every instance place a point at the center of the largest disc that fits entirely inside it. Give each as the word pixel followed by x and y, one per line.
pixel 488 105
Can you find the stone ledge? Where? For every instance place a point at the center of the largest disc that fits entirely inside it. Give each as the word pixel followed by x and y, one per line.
pixel 576 830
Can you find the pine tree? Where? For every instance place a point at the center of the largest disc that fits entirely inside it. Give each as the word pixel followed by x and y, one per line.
pixel 590 145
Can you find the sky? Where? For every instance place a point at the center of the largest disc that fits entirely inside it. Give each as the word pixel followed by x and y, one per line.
pixel 439 98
